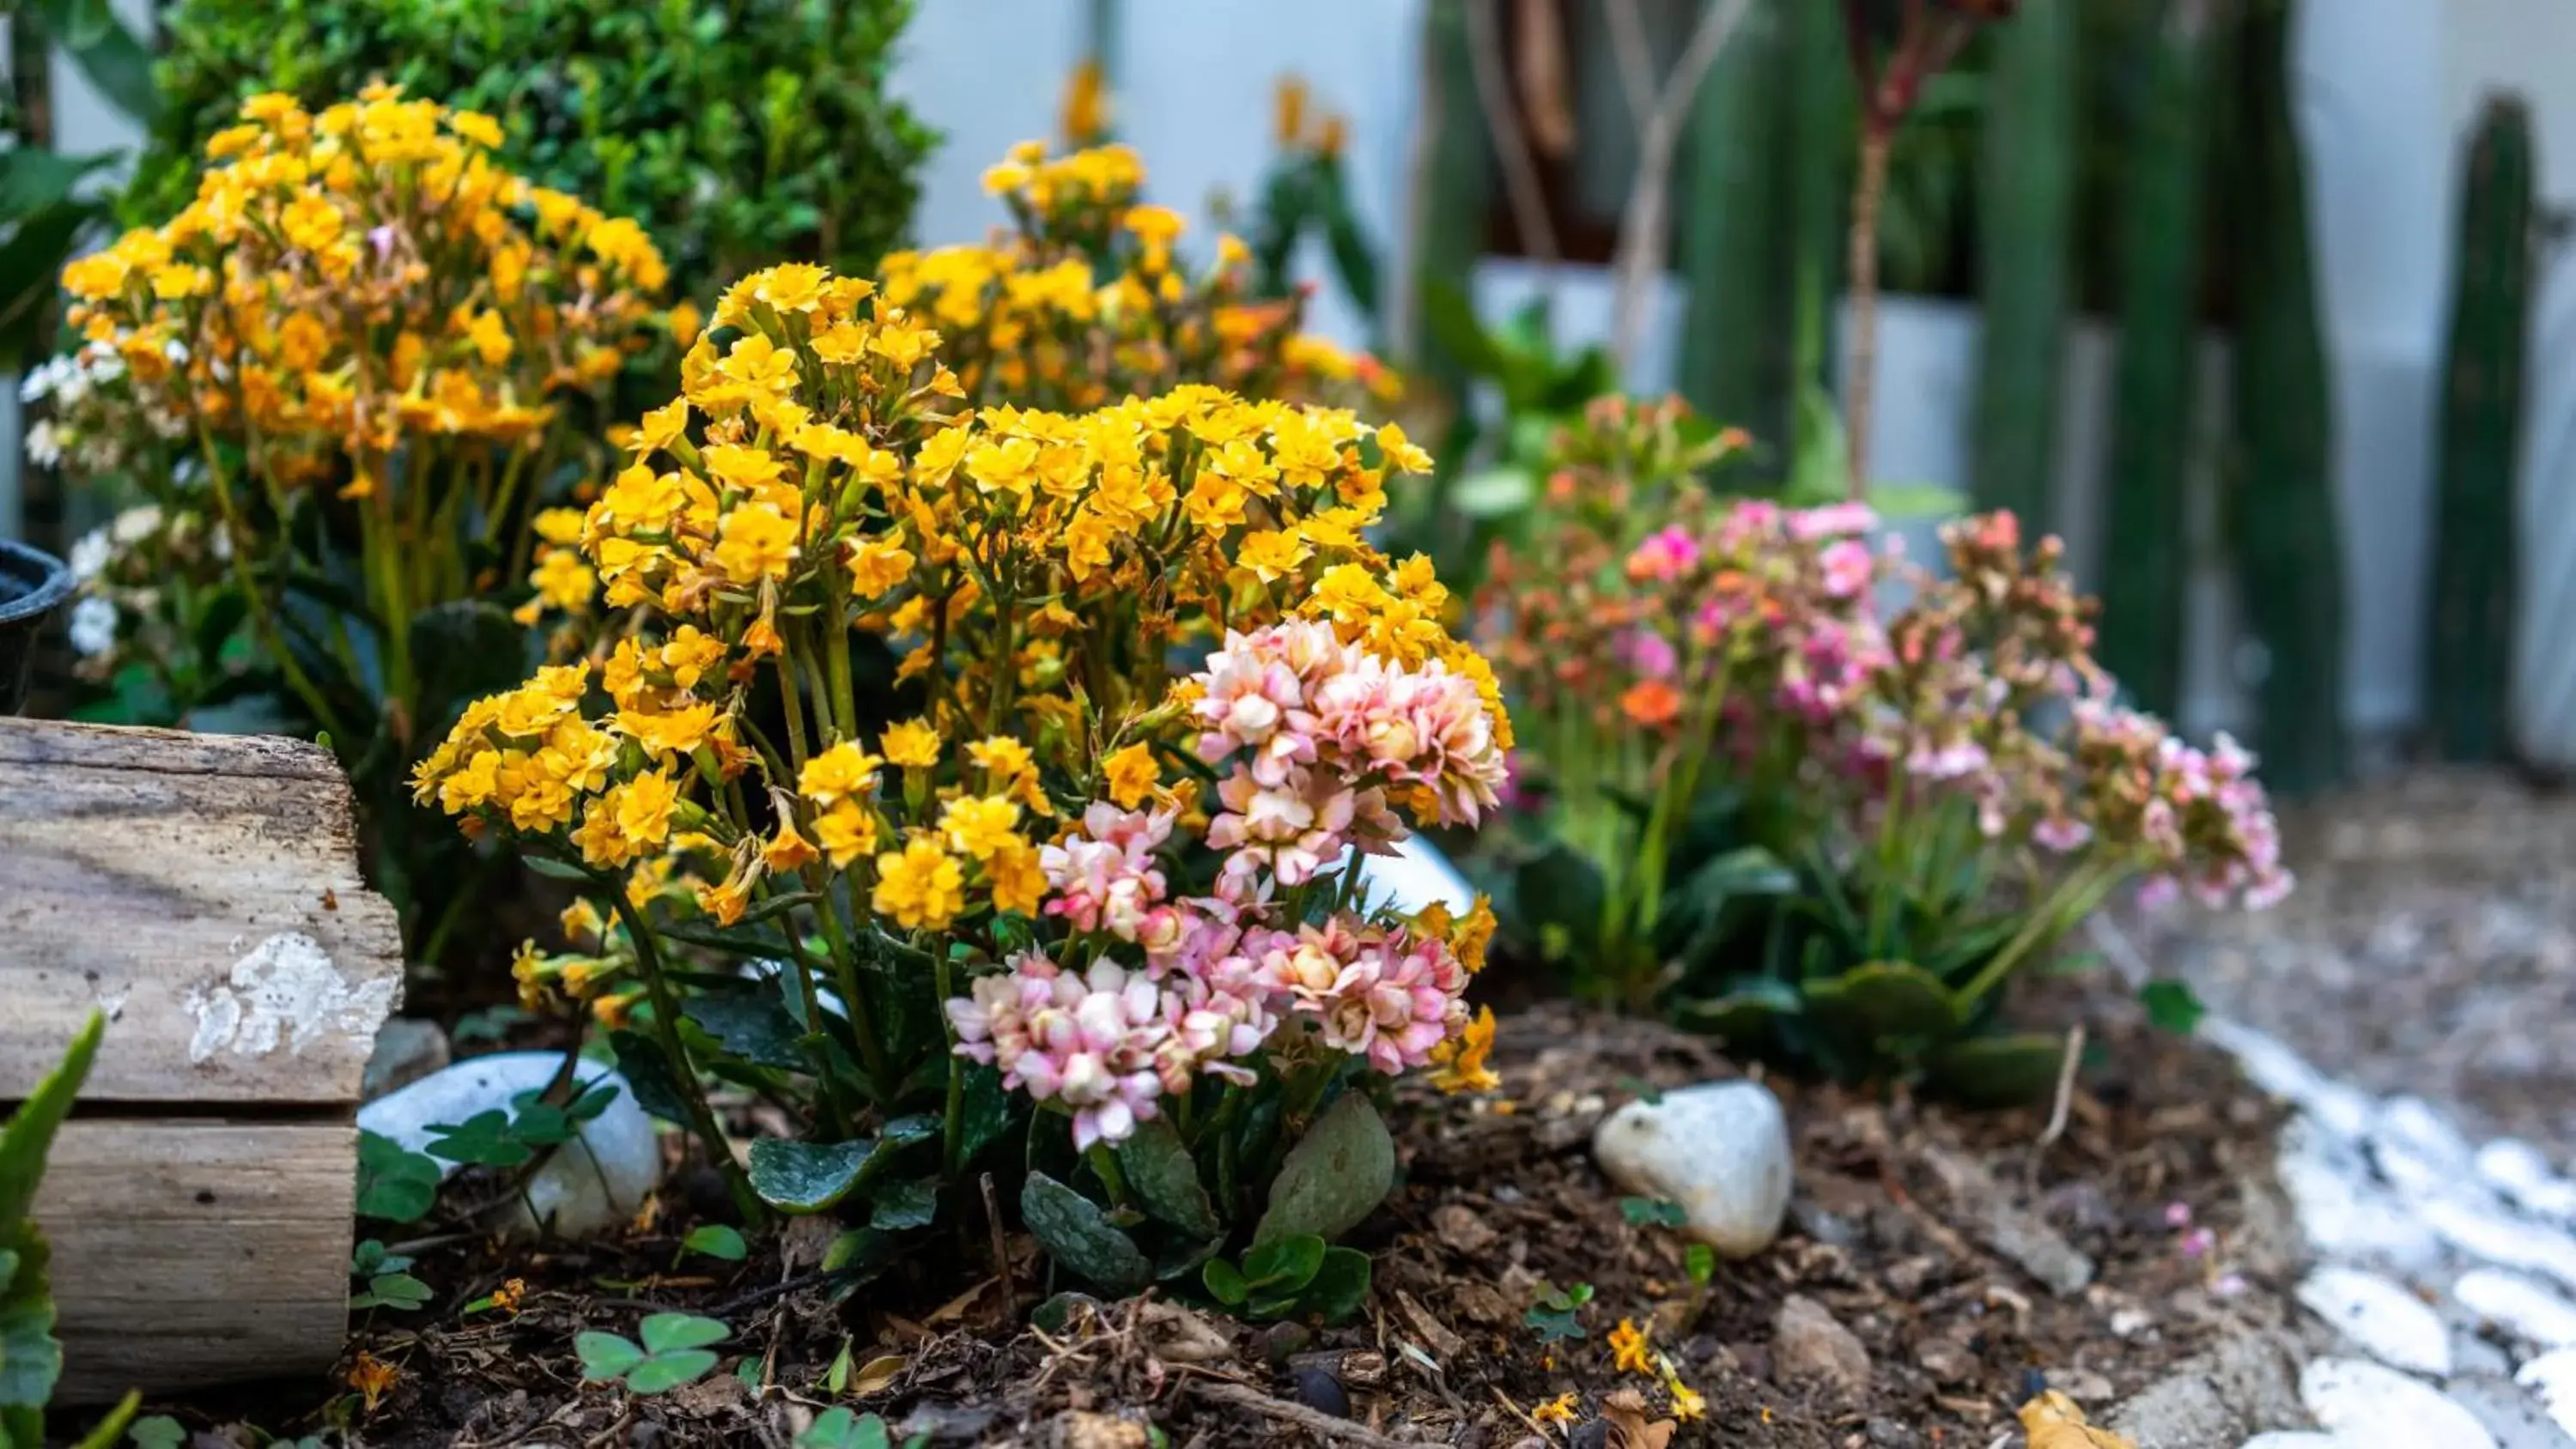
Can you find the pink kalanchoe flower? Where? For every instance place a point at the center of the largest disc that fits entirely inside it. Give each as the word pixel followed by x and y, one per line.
pixel 1106 874
pixel 1848 568
pixel 1833 520
pixel 1254 694
pixel 1423 727
pixel 1650 654
pixel 1088 1041
pixel 1665 556
pixel 1290 830
pixel 1377 994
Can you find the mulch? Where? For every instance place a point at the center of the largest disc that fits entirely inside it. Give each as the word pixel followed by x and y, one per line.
pixel 2157 1174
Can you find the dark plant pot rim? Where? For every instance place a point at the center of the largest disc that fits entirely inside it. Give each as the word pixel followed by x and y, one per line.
pixel 47 579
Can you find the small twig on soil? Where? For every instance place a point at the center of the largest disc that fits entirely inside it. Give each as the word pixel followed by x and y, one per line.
pixel 758 1296
pixel 2056 1127
pixel 1001 1248
pixel 1321 1425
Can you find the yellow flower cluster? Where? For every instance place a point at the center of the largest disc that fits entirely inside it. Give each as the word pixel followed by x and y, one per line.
pixel 1087 299
pixel 351 279
pixel 820 489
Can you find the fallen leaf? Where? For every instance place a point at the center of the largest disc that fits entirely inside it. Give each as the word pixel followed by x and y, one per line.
pixel 1629 1429
pixel 2054 1422
pixel 876 1374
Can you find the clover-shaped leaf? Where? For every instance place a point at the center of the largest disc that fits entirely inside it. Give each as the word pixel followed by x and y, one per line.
pixel 1652 1212
pixel 484 1139
pixel 398 1291
pixel 674 1351
pixel 717 1241
pixel 394 1183
pixel 845 1428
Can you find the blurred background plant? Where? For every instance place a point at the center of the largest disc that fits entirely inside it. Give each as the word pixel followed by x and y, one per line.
pixel 344 377
pixel 739 134
pixel 49 199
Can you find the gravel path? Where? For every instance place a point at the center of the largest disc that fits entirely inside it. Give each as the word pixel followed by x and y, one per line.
pixel 2430 948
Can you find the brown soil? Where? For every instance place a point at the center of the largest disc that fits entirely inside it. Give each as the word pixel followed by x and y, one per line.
pixel 1498 1195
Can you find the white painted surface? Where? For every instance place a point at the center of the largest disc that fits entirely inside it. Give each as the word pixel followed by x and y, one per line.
pixel 288 993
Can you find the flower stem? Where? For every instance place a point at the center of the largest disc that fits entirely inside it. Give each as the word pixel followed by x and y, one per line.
pixel 666 1030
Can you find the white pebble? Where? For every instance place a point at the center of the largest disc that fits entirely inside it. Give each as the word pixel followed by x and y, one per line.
pixel 2503 1241
pixel 2552 1376
pixel 2521 1306
pixel 596 1181
pixel 2381 1318
pixel 2369 1406
pixel 1720 1149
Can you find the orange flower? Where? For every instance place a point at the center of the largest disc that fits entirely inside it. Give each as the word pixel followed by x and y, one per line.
pixel 371 1376
pixel 1652 703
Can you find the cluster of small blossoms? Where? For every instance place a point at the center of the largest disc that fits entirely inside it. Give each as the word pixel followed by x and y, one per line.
pixel 822 495
pixel 351 279
pixel 1755 632
pixel 1320 732
pixel 1087 298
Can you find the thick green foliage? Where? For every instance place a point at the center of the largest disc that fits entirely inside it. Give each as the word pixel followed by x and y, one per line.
pixel 1737 344
pixel 740 132
pixel 30 1357
pixel 2468 648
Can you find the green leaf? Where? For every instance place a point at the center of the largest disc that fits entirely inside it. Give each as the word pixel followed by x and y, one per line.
pixel 2173 1006
pixel 1998 1071
pixel 1078 1235
pixel 1159 1168
pixel 399 1291
pixel 1340 1285
pixel 158 1432
pixel 31 1360
pixel 842 1427
pixel 29 1135
pixel 987 1111
pixel 1743 1014
pixel 716 1240
pixel 666 1371
pixel 648 1075
pixel 1285 1265
pixel 484 1139
pixel 754 1028
pixel 1334 1177
pixel 105 1433
pixel 1906 502
pixel 905 1205
pixel 394 1184
pixel 663 1332
pixel 1888 1001
pixel 1699 1261
pixel 1820 466
pixel 807 1177
pixel 606 1355
pixel 112 58
pixel 1454 325
pixel 553 869
pixel 1642 1212
pixel 1224 1282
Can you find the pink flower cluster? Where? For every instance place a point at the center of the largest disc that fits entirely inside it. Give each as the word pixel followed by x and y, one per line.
pixel 1320 732
pixel 1220 977
pixel 2198 818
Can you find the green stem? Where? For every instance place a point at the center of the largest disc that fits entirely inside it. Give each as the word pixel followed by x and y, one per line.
pixel 666 1030
pixel 952 1134
pixel 855 1002
pixel 2081 891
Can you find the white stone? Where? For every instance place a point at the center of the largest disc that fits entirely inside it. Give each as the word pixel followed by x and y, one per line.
pixel 596 1181
pixel 2503 1241
pixel 2519 1171
pixel 2421 1128
pixel 2370 1406
pixel 1416 876
pixel 1720 1149
pixel 2552 1377
pixel 2521 1306
pixel 2381 1318
pixel 2269 1064
pixel 2293 1439
pixel 2342 1210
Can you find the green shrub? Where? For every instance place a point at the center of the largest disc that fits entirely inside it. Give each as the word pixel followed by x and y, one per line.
pixel 739 133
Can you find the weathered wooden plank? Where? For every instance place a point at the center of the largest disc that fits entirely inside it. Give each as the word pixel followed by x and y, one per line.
pixel 204 891
pixel 195 1252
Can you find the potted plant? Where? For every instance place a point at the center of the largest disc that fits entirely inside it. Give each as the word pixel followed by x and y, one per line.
pixel 31 584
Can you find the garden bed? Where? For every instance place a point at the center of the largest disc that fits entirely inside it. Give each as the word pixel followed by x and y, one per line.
pixel 1499 1194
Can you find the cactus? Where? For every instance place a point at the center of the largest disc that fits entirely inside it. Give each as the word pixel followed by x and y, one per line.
pixel 1451 187
pixel 2468 641
pixel 2142 572
pixel 1736 343
pixel 2289 549
pixel 2027 213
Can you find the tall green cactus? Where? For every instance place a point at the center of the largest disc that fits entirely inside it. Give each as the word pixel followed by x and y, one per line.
pixel 2143 563
pixel 2026 215
pixel 1447 218
pixel 2468 642
pixel 1736 343
pixel 2289 553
